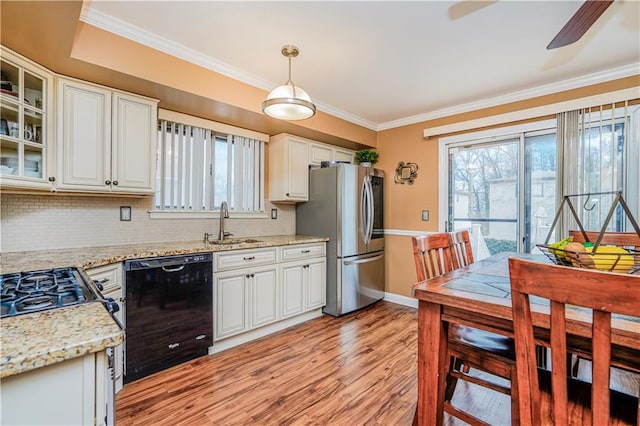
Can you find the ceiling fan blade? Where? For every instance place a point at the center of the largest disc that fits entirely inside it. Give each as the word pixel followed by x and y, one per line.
pixel 580 23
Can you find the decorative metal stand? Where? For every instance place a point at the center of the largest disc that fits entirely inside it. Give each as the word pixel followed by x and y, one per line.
pixel 552 252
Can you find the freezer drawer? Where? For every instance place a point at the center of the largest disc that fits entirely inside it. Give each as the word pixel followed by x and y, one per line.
pixel 360 282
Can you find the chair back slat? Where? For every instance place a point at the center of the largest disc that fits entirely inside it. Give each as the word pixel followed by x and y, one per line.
pixel 462 247
pixel 559 343
pixel 604 292
pixel 433 255
pixel 620 239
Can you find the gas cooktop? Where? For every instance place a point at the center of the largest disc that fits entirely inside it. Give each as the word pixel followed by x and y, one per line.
pixel 35 291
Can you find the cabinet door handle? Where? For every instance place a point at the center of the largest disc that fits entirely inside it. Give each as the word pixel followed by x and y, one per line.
pixel 287 194
pixel 107 182
pixel 115 182
pixel 305 251
pixel 249 258
pixel 52 178
pixel 248 276
pixel 174 345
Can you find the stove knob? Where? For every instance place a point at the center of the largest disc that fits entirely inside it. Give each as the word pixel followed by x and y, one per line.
pixel 97 283
pixel 112 305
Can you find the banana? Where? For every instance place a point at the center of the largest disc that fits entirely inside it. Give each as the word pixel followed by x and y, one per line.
pixel 559 248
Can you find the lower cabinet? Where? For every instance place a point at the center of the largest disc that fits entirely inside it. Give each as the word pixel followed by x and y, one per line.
pixel 111 279
pixel 72 392
pixel 245 299
pixel 303 286
pixel 265 287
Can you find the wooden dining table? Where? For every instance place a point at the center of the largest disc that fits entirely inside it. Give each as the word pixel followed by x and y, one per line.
pixel 479 296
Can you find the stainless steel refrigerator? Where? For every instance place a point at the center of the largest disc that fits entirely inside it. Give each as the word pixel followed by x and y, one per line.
pixel 346 205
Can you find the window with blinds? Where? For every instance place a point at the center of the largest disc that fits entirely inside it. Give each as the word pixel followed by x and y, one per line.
pixel 199 168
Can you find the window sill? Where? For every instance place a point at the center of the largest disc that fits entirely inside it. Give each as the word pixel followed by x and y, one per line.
pixel 159 214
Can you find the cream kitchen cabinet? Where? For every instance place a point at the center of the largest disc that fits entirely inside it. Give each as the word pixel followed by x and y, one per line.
pixel 288 169
pixel 304 279
pixel 320 152
pixel 26 124
pixel 111 279
pixel 106 140
pixel 244 299
pixel 289 160
pixel 72 392
pixel 254 298
pixel 343 155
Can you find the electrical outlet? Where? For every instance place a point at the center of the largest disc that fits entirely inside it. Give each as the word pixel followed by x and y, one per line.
pixel 125 213
pixel 274 213
pixel 425 215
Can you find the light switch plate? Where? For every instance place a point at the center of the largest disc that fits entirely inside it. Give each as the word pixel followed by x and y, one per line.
pixel 425 215
pixel 274 213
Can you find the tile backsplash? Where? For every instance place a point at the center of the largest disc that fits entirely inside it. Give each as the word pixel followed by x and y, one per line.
pixel 45 222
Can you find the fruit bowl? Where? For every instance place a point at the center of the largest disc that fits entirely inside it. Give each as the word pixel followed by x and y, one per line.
pixel 603 258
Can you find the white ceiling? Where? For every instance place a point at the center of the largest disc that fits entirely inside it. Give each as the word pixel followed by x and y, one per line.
pixel 386 63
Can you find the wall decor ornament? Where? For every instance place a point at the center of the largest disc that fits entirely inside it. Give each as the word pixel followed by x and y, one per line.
pixel 406 172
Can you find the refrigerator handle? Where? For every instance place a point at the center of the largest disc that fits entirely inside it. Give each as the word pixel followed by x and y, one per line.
pixel 371 207
pixel 364 210
pixel 365 260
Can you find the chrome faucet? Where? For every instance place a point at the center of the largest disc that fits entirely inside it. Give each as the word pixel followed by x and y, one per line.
pixel 224 214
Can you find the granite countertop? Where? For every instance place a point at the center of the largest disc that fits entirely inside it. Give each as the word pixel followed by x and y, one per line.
pixel 35 340
pixel 91 257
pixel 43 338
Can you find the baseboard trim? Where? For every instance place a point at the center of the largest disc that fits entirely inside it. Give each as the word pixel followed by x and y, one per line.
pixel 401 300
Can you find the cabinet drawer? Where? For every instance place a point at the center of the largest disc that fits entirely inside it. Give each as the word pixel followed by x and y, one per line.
pixel 245 258
pixel 110 277
pixel 302 251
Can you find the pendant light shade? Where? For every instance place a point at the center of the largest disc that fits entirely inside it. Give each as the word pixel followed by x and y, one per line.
pixel 289 102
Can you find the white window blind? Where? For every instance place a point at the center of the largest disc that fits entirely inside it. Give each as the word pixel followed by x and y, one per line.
pixel 199 168
pixel 595 146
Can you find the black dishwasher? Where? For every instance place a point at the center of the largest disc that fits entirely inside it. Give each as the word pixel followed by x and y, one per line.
pixel 169 315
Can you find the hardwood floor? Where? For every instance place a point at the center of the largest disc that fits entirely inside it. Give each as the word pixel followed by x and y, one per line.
pixel 359 369
pixel 356 369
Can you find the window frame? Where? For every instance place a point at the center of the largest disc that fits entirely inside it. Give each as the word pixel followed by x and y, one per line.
pixel 235 138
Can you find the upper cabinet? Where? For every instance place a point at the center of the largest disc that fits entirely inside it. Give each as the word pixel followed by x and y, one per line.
pixel 320 152
pixel 106 140
pixel 289 160
pixel 288 168
pixel 26 125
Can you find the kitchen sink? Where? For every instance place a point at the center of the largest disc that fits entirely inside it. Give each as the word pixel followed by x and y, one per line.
pixel 232 241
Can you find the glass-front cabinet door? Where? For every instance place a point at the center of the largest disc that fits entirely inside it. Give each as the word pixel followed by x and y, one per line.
pixel 25 104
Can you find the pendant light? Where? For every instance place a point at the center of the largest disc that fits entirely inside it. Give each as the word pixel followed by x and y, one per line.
pixel 289 102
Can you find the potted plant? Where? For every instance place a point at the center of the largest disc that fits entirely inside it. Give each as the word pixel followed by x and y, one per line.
pixel 366 157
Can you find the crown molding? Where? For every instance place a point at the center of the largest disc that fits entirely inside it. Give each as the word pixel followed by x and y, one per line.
pixel 547 89
pixel 131 32
pixel 137 34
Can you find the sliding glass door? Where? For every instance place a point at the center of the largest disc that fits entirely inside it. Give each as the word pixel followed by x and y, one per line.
pixel 504 191
pixel 505 185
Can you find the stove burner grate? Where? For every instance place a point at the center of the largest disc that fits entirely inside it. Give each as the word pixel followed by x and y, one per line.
pixel 35 291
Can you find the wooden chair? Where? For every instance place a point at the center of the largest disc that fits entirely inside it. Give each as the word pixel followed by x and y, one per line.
pixel 564 285
pixel 621 239
pixel 462 247
pixel 435 255
pixel 628 240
